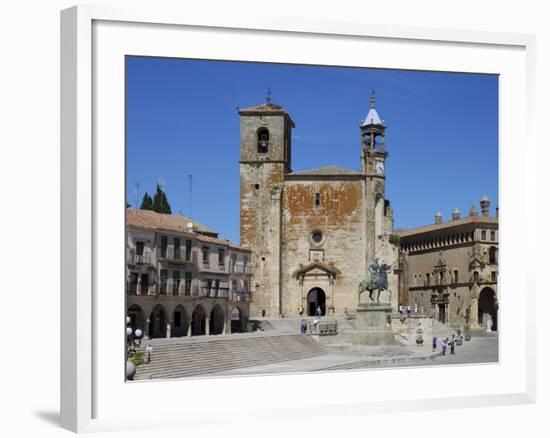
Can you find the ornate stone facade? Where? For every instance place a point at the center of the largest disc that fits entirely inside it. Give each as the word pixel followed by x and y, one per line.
pixel 450 269
pixel 312 233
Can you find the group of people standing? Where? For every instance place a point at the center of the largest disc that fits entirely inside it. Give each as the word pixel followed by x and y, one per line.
pixel 305 325
pixel 446 343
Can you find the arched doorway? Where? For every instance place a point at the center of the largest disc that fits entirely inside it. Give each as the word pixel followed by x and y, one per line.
pixel 157 324
pixel 316 298
pixel 217 320
pixel 136 317
pixel 198 321
pixel 487 306
pixel 236 320
pixel 180 321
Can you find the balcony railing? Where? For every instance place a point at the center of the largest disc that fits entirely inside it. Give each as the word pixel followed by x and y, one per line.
pixel 241 296
pixel 241 269
pixel 182 256
pixel 134 258
pixel 220 292
pixel 143 258
pixel 139 289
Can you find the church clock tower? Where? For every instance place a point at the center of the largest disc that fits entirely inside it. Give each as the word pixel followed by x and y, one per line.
pixel 373 166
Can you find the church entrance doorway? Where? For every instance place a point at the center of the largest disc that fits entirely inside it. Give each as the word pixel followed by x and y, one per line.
pixel 487 308
pixel 442 315
pixel 316 298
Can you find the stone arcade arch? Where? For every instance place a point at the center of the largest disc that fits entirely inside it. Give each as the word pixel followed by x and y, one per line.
pixel 316 297
pixel 487 306
pixel 136 317
pixel 157 322
pixel 180 321
pixel 198 321
pixel 237 325
pixel 217 320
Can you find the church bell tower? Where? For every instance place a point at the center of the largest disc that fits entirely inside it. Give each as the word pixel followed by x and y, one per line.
pixel 264 160
pixel 373 166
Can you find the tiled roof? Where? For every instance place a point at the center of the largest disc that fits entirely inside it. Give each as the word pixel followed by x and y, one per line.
pixel 326 170
pixel 372 118
pixel 209 239
pixel 481 220
pixel 168 222
pixel 157 221
pixel 265 107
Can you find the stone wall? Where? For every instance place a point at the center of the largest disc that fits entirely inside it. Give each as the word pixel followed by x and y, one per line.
pixel 261 180
pixel 341 219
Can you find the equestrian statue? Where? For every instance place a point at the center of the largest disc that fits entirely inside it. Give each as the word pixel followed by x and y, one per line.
pixel 378 280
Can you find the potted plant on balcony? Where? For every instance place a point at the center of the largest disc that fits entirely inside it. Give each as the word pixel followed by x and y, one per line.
pixel 467 334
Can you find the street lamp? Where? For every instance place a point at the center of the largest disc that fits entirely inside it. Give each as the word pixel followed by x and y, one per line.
pixel 133 341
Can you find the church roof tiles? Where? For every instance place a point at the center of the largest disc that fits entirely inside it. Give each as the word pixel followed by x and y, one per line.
pixel 326 171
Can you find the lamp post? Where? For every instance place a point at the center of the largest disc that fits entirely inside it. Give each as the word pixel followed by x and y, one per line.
pixel 133 341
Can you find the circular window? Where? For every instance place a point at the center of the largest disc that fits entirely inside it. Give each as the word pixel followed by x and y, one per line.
pixel 317 236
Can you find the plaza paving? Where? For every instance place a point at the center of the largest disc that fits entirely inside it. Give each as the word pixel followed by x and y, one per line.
pixel 280 351
pixel 482 348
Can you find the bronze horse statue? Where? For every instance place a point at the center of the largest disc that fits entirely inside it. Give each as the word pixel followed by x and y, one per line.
pixel 378 280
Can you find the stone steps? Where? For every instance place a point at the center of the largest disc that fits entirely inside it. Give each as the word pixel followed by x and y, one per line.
pixel 187 358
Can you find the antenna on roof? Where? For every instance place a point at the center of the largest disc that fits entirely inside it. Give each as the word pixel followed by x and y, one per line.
pixel 161 184
pixel 190 194
pixel 136 192
pixel 268 95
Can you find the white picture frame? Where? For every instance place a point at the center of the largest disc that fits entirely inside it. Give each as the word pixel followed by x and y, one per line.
pixel 93 392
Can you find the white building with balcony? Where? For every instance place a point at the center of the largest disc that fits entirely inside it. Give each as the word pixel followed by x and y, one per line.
pixel 182 280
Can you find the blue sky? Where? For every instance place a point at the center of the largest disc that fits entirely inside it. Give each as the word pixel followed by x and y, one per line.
pixel 442 132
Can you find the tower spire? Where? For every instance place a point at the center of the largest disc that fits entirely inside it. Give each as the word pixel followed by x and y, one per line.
pixel 372 98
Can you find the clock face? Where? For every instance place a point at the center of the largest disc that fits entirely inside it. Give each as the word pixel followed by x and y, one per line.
pixel 379 168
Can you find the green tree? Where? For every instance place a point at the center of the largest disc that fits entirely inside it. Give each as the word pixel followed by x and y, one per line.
pixel 147 202
pixel 160 202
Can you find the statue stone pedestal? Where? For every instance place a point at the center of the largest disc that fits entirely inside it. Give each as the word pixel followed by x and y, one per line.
pixel 371 325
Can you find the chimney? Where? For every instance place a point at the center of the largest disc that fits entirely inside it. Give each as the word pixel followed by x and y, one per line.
pixel 485 203
pixel 456 214
pixel 473 210
pixel 438 217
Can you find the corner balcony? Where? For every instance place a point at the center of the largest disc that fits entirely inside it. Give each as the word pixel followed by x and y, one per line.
pixel 240 296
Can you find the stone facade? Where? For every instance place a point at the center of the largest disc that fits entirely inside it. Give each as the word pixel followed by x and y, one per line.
pixel 312 233
pixel 182 279
pixel 449 269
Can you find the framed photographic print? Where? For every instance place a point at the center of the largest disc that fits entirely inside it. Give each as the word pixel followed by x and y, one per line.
pixel 265 206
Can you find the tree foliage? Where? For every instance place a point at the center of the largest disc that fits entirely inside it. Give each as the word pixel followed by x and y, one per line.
pixel 147 202
pixel 160 202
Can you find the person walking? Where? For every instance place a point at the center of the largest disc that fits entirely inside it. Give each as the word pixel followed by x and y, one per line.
pixel 434 344
pixel 453 345
pixel 318 311
pixel 315 322
pixel 443 347
pixel 149 350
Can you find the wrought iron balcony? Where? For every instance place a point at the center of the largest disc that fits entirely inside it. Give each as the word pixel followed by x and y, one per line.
pixel 212 292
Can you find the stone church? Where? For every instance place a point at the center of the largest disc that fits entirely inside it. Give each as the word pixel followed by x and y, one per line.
pixel 312 233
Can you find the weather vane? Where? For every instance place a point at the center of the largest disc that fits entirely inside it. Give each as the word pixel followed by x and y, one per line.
pixel 268 95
